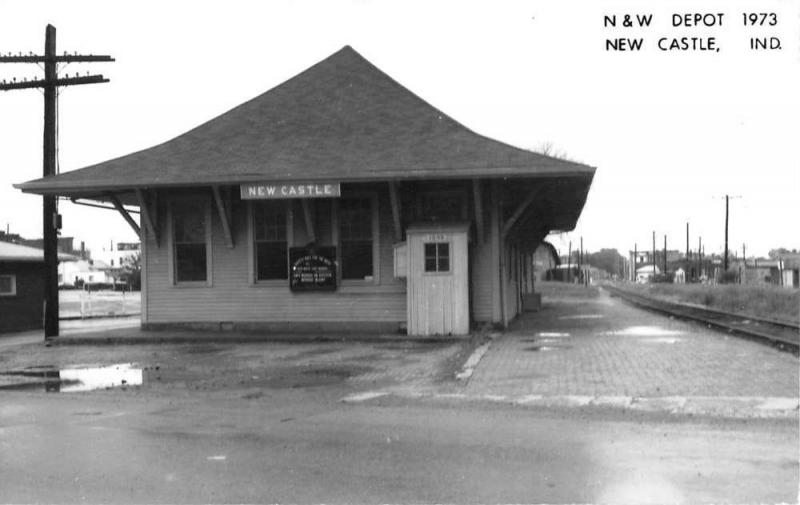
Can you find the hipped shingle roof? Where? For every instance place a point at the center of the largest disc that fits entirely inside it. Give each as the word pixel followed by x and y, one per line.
pixel 342 119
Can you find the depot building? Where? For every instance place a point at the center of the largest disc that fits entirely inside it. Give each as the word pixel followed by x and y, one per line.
pixel 336 201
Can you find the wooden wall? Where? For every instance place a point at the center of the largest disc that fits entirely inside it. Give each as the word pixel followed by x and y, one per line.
pixel 23 311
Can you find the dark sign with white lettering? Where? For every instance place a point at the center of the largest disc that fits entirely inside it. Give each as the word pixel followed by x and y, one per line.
pixel 312 268
pixel 268 191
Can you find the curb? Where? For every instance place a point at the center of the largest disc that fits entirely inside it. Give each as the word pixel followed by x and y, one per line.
pixel 195 338
pixel 736 407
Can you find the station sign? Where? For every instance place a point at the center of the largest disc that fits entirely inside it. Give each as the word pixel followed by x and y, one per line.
pixel 273 191
pixel 312 268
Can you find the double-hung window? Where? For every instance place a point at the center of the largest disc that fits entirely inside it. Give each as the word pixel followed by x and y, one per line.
pixel 356 238
pixel 190 235
pixel 437 257
pixel 270 242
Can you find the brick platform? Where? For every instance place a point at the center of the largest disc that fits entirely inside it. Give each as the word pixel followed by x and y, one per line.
pixel 602 347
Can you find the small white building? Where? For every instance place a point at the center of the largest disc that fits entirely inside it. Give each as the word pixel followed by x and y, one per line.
pixel 645 274
pixel 84 273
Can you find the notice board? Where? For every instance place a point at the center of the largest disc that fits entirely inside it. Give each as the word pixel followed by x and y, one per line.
pixel 312 269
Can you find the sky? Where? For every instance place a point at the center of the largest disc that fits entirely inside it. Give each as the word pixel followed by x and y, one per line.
pixel 670 132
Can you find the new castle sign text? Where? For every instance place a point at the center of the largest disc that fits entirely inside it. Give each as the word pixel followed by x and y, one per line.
pixel 265 191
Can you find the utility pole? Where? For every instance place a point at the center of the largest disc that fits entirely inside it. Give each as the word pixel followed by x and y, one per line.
pixel 665 254
pixel 744 257
pixel 635 262
pixel 687 241
pixel 51 221
pixel 654 256
pixel 580 263
pixel 569 263
pixel 725 264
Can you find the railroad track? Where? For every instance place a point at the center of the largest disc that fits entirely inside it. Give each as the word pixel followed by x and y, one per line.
pixel 782 334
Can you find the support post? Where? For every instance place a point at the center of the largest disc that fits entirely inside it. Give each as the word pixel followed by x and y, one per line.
pixel 478 203
pixel 395 201
pixel 223 209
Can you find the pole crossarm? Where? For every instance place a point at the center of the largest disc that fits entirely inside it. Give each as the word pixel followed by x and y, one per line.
pixel 64 81
pixel 67 58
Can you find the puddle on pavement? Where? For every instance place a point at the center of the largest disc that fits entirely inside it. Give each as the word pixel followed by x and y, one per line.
pixel 547 348
pixel 73 380
pixel 662 340
pixel 644 331
pixel 584 316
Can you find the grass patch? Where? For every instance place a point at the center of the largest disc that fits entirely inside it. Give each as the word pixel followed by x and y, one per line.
pixel 772 302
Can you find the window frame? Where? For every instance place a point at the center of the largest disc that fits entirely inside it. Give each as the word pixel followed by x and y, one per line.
pixel 449 270
pixel 372 197
pixel 13 292
pixel 205 202
pixel 251 245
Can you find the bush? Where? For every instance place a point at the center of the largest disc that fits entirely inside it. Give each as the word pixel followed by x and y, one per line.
pixel 729 277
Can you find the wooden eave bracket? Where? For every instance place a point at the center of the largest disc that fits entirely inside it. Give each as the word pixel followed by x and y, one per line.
pixel 519 211
pixel 309 218
pixel 478 204
pixel 125 214
pixel 148 213
pixel 223 204
pixel 395 201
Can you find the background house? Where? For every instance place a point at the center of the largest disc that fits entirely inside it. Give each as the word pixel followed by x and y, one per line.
pixel 22 286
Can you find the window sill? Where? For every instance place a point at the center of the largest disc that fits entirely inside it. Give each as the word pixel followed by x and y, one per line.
pixel 272 283
pixel 369 289
pixel 192 284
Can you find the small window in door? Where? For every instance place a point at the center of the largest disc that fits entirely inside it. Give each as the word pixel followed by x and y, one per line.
pixel 437 257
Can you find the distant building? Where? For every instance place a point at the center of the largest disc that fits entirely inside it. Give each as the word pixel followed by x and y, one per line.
pixel 118 255
pixel 647 273
pixel 85 273
pixel 544 258
pixel 22 272
pixel 646 257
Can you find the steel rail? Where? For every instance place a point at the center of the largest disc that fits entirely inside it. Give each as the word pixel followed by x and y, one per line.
pixel 783 334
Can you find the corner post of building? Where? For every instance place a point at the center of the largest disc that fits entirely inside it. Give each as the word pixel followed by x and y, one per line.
pixel 148 214
pixel 394 199
pixel 223 205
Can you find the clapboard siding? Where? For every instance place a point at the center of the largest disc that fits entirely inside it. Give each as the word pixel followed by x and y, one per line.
pixel 232 297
